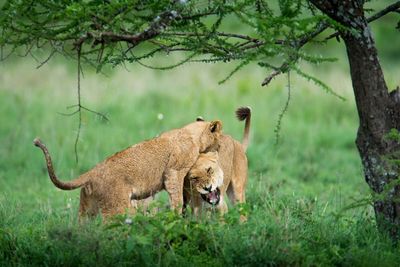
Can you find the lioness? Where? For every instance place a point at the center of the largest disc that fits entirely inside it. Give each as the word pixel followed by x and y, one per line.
pixel 141 170
pixel 205 178
pixel 233 161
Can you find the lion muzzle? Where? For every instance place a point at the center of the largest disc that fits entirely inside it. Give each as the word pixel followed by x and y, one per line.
pixel 212 197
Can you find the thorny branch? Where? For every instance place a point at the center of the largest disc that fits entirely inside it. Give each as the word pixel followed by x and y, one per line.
pixel 277 129
pixel 248 38
pixel 80 107
pixel 47 59
pixel 297 45
pixel 319 29
pixel 392 8
pixel 276 72
pixel 158 25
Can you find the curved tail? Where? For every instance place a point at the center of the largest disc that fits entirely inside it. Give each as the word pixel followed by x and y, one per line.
pixel 76 183
pixel 244 113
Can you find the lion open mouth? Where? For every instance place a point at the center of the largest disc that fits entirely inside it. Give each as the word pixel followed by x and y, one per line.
pixel 212 197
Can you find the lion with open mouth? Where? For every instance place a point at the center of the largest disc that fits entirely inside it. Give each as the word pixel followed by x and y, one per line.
pixel 230 163
pixel 206 177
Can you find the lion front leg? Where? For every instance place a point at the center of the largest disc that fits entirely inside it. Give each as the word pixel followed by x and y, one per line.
pixel 222 207
pixel 173 184
pixel 197 203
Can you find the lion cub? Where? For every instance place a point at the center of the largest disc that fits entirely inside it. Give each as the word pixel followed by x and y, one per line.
pixel 141 170
pixel 232 158
pixel 205 178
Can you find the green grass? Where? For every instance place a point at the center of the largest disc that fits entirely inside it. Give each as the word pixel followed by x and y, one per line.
pixel 296 193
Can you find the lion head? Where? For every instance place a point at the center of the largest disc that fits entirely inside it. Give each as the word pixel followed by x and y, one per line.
pixel 206 176
pixel 206 134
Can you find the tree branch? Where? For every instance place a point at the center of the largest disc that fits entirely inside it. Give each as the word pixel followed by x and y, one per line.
pixel 234 35
pixel 322 27
pixel 156 27
pixel 392 8
pixel 47 59
pixel 79 105
pixel 277 129
pixel 383 12
pixel 275 73
pixel 297 45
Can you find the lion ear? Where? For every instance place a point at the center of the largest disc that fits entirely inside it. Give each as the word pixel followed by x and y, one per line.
pixel 215 126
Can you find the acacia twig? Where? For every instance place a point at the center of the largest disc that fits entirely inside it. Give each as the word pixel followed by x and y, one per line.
pixel 4 57
pixel 101 115
pixel 47 59
pixel 299 43
pixel 277 129
pixel 275 73
pixel 79 105
pixel 68 114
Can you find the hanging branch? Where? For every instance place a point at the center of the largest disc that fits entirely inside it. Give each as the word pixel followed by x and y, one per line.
pixel 79 106
pixel 277 129
pixel 47 59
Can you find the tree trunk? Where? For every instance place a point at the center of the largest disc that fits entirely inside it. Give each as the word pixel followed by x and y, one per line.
pixel 378 111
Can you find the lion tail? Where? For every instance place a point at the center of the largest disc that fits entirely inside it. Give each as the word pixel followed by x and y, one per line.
pixel 244 113
pixel 76 183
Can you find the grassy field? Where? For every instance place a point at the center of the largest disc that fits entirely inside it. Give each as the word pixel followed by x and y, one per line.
pixel 297 194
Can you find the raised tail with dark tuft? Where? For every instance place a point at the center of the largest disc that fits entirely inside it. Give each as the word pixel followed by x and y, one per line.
pixel 76 183
pixel 244 113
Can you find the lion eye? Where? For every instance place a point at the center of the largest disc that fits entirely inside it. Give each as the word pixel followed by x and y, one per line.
pixel 209 170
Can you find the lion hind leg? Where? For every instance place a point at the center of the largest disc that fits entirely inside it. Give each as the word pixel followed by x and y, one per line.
pixel 87 205
pixel 236 193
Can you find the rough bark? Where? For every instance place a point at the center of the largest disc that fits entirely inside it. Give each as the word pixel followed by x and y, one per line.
pixel 378 111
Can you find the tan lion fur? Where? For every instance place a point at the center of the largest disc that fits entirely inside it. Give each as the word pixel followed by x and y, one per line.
pixel 232 160
pixel 206 173
pixel 141 170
